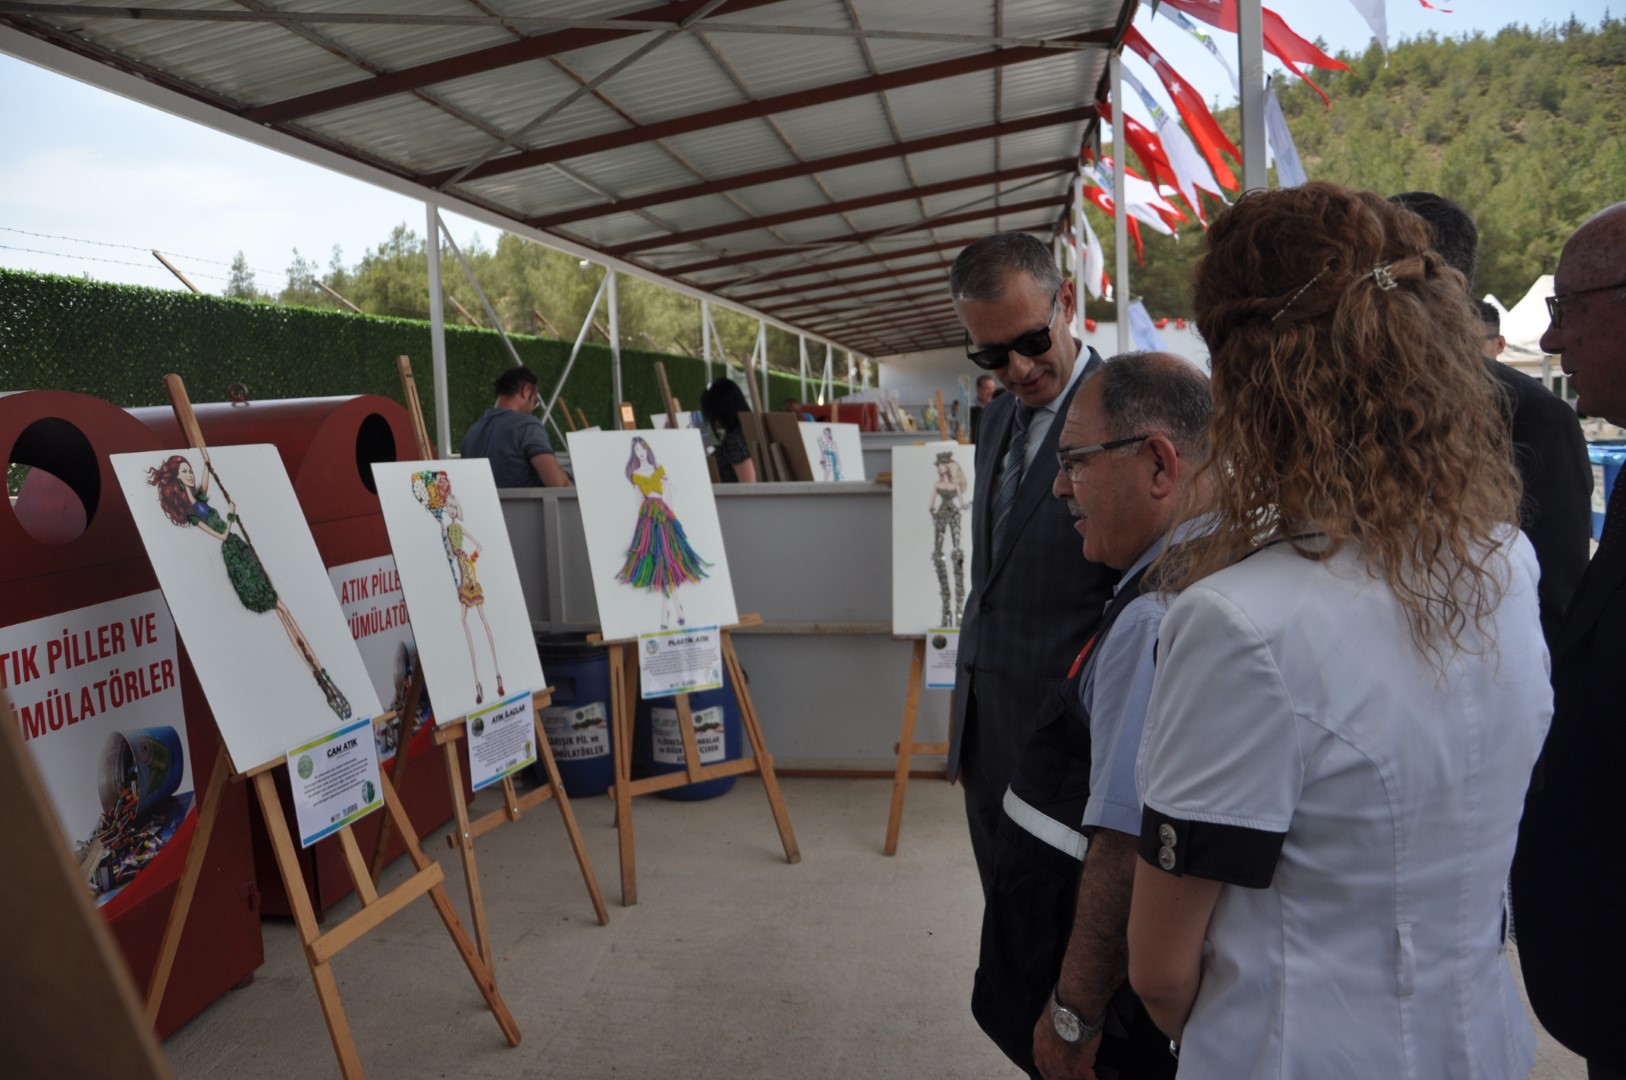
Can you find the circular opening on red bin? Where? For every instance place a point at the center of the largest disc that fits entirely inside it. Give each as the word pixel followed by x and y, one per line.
pixel 52 474
pixel 375 441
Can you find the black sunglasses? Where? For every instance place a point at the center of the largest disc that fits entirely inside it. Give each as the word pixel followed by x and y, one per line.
pixel 1032 343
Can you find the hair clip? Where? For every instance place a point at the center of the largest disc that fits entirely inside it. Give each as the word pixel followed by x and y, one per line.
pixel 1298 293
pixel 1385 280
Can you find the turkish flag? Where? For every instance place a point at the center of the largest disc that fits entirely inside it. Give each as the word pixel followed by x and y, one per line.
pixel 1210 138
pixel 1147 147
pixel 1280 39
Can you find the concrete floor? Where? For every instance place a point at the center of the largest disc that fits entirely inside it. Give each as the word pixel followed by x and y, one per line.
pixel 734 964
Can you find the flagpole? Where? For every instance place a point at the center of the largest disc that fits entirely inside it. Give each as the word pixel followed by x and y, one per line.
pixel 1250 54
pixel 1120 205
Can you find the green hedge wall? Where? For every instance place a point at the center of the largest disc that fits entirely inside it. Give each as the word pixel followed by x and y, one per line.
pixel 116 342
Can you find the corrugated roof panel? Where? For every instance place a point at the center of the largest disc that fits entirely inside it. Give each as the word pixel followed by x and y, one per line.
pixel 837 128
pixel 771 64
pixel 1049 84
pixel 631 170
pixel 532 193
pixel 512 97
pixel 391 47
pixel 967 159
pixel 1050 145
pixel 403 129
pixel 904 211
pixel 677 78
pixel 781 196
pixel 893 54
pixel 857 181
pixel 930 109
pixel 733 148
pixel 1053 18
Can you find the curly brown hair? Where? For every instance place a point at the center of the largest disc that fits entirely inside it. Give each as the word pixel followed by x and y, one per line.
pixel 1352 404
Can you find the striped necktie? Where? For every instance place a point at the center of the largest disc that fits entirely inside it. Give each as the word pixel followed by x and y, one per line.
pixel 1011 477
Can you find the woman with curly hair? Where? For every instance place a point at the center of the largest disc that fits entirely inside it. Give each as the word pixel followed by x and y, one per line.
pixel 1351 686
pixel 659 558
pixel 185 500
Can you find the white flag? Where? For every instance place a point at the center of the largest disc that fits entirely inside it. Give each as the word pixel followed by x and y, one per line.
pixel 1289 170
pixel 1141 330
pixel 1208 42
pixel 1189 167
pixel 1373 11
pixel 1095 262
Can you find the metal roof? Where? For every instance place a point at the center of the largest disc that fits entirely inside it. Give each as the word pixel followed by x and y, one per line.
pixel 819 162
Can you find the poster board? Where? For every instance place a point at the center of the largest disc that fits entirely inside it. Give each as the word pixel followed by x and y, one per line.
pixel 691 419
pixel 96 697
pixel 834 451
pixel 274 677
pixel 621 521
pixel 369 592
pixel 460 581
pixel 931 534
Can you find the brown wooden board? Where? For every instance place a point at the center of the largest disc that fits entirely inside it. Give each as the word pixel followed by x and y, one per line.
pixel 784 430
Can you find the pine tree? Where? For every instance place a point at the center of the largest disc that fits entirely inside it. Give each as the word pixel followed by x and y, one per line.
pixel 240 282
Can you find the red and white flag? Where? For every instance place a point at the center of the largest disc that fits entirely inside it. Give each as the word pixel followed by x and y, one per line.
pixel 1209 136
pixel 1192 171
pixel 1280 39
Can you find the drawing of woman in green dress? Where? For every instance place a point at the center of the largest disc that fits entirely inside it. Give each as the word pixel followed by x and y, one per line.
pixel 185 500
pixel 433 489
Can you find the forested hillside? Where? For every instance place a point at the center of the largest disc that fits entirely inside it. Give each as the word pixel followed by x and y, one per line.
pixel 1526 129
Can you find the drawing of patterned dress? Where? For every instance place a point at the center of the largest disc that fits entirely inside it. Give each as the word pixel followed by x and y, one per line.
pixel 946 516
pixel 468 584
pixel 659 558
pixel 831 460
pixel 243 567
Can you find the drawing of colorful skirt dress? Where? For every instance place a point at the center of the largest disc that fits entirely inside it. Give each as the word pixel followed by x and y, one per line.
pixel 469 591
pixel 659 558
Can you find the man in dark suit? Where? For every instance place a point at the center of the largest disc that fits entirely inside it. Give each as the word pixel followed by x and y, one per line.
pixel 1548 446
pixel 1569 884
pixel 1033 603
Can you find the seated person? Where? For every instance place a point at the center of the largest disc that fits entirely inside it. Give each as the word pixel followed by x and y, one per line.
pixel 513 438
pixel 721 405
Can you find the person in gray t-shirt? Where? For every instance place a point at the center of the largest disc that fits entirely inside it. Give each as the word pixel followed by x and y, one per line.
pixel 513 439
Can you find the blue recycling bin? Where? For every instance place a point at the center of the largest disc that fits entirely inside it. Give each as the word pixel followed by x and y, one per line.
pixel 718 730
pixel 1606 458
pixel 577 723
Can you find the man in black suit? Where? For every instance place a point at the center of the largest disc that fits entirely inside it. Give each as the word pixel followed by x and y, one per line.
pixel 1033 602
pixel 1548 446
pixel 1569 884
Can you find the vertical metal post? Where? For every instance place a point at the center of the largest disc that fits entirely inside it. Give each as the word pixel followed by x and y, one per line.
pixel 827 386
pixel 1250 57
pixel 615 348
pixel 705 336
pixel 762 358
pixel 437 334
pixel 801 342
pixel 1080 286
pixel 1120 213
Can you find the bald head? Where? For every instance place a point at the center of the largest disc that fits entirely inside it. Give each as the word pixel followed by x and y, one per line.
pixel 1588 332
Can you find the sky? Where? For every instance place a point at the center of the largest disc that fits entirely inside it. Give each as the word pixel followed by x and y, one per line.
pixel 91 182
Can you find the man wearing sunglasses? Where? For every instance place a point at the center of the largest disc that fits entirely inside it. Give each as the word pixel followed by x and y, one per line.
pixel 1033 602
pixel 1569 897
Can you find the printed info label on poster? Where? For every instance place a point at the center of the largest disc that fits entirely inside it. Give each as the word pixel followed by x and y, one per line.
pixel 942 651
pixel 95 694
pixel 502 740
pixel 675 662
pixel 335 781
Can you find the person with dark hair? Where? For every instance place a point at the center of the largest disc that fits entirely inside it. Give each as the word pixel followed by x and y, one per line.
pixel 1549 449
pixel 1032 603
pixel 987 389
pixel 721 404
pixel 1491 346
pixel 1569 892
pixel 1050 985
pixel 1351 684
pixel 512 438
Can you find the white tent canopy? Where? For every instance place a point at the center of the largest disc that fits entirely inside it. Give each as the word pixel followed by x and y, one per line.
pixel 1525 322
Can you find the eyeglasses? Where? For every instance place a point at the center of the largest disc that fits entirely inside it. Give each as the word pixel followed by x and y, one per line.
pixel 1072 461
pixel 1555 304
pixel 1032 343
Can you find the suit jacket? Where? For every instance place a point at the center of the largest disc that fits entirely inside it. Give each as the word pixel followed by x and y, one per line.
pixel 1569 878
pixel 1550 453
pixel 1032 604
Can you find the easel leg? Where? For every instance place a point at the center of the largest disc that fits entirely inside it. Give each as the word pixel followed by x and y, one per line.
pixel 465 846
pixel 208 813
pixel 398 770
pixel 621 705
pixel 906 746
pixel 568 816
pixel 327 988
pixel 759 747
pixel 483 977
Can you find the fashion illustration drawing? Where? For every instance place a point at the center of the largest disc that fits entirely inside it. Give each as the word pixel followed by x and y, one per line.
pixel 948 503
pixel 434 491
pixel 659 558
pixel 185 499
pixel 829 458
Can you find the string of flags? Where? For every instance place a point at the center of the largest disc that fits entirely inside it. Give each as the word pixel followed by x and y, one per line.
pixel 1178 165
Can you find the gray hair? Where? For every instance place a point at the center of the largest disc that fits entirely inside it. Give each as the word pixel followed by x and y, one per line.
pixel 1156 393
pixel 979 271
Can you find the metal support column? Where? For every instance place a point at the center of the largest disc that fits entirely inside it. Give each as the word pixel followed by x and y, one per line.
pixel 437 335
pixel 705 337
pixel 1250 56
pixel 762 359
pixel 615 349
pixel 1120 213
pixel 801 342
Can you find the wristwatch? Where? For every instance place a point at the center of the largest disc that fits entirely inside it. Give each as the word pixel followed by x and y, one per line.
pixel 1070 1027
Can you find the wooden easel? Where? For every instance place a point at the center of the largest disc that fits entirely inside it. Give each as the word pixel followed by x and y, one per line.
pixel 907 747
pixel 446 736
pixel 320 947
pixel 623 699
